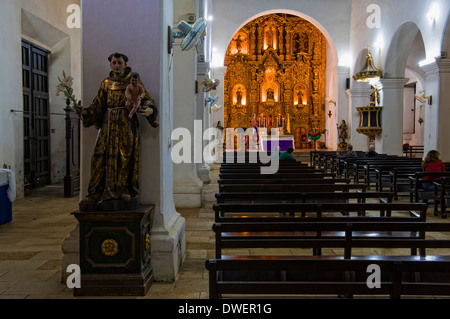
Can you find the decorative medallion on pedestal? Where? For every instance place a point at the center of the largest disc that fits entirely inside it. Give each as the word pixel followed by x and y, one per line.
pixel 115 251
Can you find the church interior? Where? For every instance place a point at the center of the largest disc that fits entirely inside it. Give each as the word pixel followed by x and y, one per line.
pixel 319 77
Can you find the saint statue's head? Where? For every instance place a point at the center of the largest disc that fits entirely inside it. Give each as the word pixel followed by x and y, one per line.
pixel 118 63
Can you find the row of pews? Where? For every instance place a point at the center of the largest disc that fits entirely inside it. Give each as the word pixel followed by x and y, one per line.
pixel 304 231
pixel 403 176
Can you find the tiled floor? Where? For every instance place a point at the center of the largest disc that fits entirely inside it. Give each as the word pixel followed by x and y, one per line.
pixel 30 247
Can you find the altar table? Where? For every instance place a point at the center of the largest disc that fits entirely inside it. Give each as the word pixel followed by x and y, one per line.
pixel 284 141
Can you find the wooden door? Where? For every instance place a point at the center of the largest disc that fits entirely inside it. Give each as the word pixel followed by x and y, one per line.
pixel 36 116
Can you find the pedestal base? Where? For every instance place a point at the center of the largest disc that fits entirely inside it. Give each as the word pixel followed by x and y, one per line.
pixel 115 284
pixel 342 147
pixel 115 252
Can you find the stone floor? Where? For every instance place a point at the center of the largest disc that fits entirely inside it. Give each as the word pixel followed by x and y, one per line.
pixel 30 247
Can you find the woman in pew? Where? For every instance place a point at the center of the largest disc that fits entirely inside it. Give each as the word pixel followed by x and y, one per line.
pixel 432 164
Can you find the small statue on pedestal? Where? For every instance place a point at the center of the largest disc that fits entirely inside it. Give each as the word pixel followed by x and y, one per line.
pixel 343 135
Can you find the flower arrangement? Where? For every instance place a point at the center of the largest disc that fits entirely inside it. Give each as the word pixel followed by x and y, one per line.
pixel 314 135
pixel 65 86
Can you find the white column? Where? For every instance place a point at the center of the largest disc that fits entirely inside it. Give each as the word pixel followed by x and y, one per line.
pixel 187 187
pixel 213 117
pixel 219 74
pixel 341 110
pixel 437 131
pixel 359 96
pixel 202 114
pixel 391 138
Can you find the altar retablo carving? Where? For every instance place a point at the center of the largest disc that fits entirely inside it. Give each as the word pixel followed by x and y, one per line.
pixel 275 71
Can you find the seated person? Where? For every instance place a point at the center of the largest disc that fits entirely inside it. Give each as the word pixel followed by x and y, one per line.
pixel 287 154
pixel 350 153
pixel 432 164
pixel 371 152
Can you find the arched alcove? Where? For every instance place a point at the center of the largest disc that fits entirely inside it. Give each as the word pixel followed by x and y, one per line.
pixel 329 91
pixel 399 50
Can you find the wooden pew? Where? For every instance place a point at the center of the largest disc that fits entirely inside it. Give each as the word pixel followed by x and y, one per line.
pixel 394 234
pixel 416 192
pixel 341 232
pixel 280 175
pixel 330 277
pixel 222 210
pixel 354 167
pixel 400 173
pixel 315 157
pixel 257 170
pixel 399 178
pixel 282 163
pixel 413 150
pixel 309 180
pixel 369 168
pixel 305 197
pixel 289 187
pixel 441 196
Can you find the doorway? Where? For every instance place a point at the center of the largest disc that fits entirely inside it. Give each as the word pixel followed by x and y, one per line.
pixel 36 116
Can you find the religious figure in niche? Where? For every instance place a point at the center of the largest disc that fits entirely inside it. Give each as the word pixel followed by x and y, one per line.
pixel 300 98
pixel 239 96
pixel 375 96
pixel 270 94
pixel 301 43
pixel 115 162
pixel 269 37
pixel 238 44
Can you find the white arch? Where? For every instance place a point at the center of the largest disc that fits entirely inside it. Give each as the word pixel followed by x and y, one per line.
pixel 331 89
pixel 445 47
pixel 399 49
pixel 292 12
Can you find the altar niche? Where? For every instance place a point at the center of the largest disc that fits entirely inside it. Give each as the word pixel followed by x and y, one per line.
pixel 275 77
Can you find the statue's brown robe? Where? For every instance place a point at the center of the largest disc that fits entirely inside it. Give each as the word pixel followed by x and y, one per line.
pixel 115 162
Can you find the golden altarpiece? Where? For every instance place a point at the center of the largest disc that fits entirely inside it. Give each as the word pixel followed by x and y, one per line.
pixel 276 77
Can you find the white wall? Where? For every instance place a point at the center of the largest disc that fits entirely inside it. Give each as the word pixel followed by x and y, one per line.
pixel 42 22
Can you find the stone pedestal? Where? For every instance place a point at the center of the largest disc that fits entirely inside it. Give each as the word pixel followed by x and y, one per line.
pixel 115 252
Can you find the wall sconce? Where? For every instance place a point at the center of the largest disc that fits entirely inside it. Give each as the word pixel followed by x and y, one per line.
pixel 422 98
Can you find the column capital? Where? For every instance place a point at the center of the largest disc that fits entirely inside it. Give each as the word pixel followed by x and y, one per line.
pixel 437 66
pixel 393 83
pixel 359 92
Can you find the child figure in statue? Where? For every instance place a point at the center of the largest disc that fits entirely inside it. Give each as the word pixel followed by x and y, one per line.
pixel 134 93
